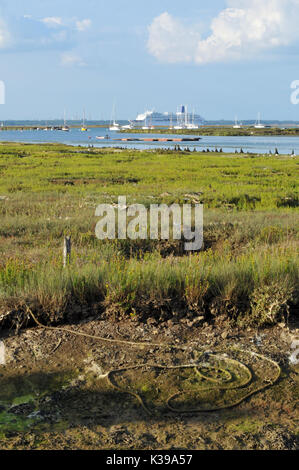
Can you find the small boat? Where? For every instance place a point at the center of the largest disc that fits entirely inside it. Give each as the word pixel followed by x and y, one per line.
pixel 145 127
pixel 258 124
pixel 128 126
pixel 100 137
pixel 114 126
pixel 171 124
pixel 237 124
pixel 192 125
pixel 65 128
pixel 83 128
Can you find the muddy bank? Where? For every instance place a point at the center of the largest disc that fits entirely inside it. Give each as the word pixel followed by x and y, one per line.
pixel 54 392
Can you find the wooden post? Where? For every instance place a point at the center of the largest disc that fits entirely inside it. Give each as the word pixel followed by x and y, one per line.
pixel 67 250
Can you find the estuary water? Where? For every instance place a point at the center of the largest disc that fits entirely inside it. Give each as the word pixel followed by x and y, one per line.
pixel 285 145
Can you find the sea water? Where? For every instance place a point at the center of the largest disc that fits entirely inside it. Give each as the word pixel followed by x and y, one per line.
pixel 229 144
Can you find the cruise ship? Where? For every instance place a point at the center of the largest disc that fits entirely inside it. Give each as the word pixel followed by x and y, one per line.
pixel 181 119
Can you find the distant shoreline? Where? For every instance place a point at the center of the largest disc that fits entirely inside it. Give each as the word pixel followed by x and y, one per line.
pixel 221 131
pixel 43 127
pixel 215 130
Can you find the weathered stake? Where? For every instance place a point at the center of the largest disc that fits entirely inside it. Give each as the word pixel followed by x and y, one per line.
pixel 67 250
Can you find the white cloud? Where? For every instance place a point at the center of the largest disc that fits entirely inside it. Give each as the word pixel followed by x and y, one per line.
pixel 5 36
pixel 242 30
pixel 83 25
pixel 52 32
pixel 69 59
pixel 170 41
pixel 52 21
pixel 71 23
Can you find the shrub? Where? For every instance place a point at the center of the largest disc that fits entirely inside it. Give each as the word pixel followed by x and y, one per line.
pixel 270 235
pixel 270 303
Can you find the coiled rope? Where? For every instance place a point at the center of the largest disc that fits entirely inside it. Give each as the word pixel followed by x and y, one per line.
pixel 221 385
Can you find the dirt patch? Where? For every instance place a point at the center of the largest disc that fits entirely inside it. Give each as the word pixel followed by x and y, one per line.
pixel 105 181
pixel 54 391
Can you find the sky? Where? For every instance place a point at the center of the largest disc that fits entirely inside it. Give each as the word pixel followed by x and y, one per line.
pixel 225 58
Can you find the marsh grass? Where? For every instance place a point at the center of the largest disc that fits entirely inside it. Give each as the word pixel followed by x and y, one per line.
pixel 250 237
pixel 208 283
pixel 222 131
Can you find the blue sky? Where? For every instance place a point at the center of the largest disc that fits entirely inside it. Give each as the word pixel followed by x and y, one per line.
pixel 234 57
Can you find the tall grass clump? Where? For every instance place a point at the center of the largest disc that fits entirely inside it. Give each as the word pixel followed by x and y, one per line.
pixel 210 284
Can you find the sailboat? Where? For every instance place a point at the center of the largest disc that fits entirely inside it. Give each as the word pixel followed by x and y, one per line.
pixel 181 118
pixel 237 124
pixel 65 128
pixel 151 123
pixel 258 124
pixel 192 125
pixel 114 126
pixel 128 126
pixel 145 127
pixel 83 128
pixel 178 121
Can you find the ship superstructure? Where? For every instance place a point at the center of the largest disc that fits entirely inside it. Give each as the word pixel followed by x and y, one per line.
pixel 181 119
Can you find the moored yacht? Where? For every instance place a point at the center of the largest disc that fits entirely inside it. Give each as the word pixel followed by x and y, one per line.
pixel 114 126
pixel 237 124
pixel 65 128
pixel 258 124
pixel 83 127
